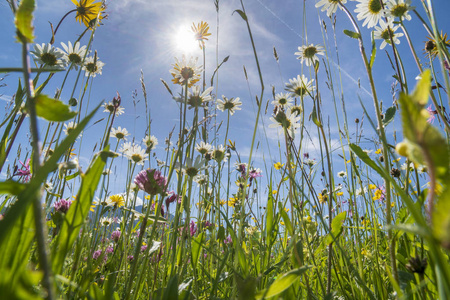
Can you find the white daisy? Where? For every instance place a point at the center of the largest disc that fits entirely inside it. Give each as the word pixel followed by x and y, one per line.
pixel 342 174
pixel 361 191
pixel 119 133
pixel 186 71
pixel 73 54
pixel 218 154
pixel 190 168
pixel 309 54
pixel 399 9
pixel 384 32
pixel 125 148
pixel 110 107
pixel 300 86
pixel 68 127
pixel 150 142
pixel 283 100
pixel 203 147
pixel 135 153
pixel 196 98
pixel 231 104
pixel 287 121
pixel 48 55
pixel 200 179
pixel 105 221
pixel 296 110
pixel 330 5
pixel 370 11
pixel 93 66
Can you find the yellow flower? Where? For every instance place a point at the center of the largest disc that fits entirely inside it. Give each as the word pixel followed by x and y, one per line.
pixel 309 219
pixel 87 11
pixel 364 252
pixel 116 201
pixel 378 151
pixel 222 202
pixel 232 201
pixel 323 198
pixel 392 204
pixel 339 194
pixel 286 209
pixel 186 71
pixel 201 33
pixel 274 192
pixel 278 165
pixel 348 161
pixel 282 223
pixel 372 186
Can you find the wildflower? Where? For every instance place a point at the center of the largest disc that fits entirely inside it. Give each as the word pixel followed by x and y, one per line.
pixel 399 9
pixel 228 240
pixel 109 249
pixel 330 5
pixel 115 235
pixel 195 98
pixel 96 254
pixel 190 168
pixel 200 179
pixel 287 121
pixel 192 228
pixel 323 197
pixel 73 54
pixel 151 181
pixel 62 205
pixel 185 71
pixel 25 171
pixel 231 104
pixel 93 66
pixel 254 173
pixel 116 201
pixel 432 114
pixel 310 162
pixel 385 31
pixel 308 54
pixel 372 186
pixel 130 258
pixel 232 201
pixel 361 191
pixel 110 107
pixel 431 48
pixel 134 153
pixel 296 110
pixel 88 11
pixel 378 151
pixel 274 192
pixel 218 154
pixel 241 168
pixel 283 100
pixel 379 194
pixel 342 174
pixel 201 33
pixel 203 148
pixel 105 221
pixel 172 198
pixel 278 165
pixel 48 186
pixel 339 194
pixel 119 133
pixel 300 86
pixel 370 11
pixel 48 55
pixel 150 142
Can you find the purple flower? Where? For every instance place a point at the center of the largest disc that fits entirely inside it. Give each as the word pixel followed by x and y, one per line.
pixel 432 113
pixel 109 249
pixel 254 173
pixel 208 224
pixel 228 240
pixel 115 236
pixel 143 248
pixel 242 169
pixel 62 205
pixel 151 181
pixel 192 228
pixel 130 258
pixel 96 254
pixel 26 172
pixel 172 198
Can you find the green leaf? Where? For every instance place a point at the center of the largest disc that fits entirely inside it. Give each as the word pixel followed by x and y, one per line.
pixel 283 283
pixel 269 219
pixel 52 109
pixel 12 187
pixel 287 221
pixel 242 14
pixel 389 115
pixel 171 291
pixel 352 34
pixel 314 117
pixel 441 218
pixel 336 227
pixel 196 247
pixel 24 20
pixel 421 93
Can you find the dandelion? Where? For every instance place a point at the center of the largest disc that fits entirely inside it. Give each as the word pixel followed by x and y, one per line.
pixel 330 5
pixel 278 165
pixel 119 133
pixel 62 205
pixel 399 9
pixel 342 174
pixel 151 181
pixel 195 98
pixel 370 11
pixel 300 86
pixel 116 201
pixel 88 11
pixel 308 54
pixel 73 54
pixel 48 55
pixel 185 71
pixel 93 66
pixel 385 31
pixel 283 100
pixel 287 121
pixel 231 104
pixel 201 33
pixel 203 148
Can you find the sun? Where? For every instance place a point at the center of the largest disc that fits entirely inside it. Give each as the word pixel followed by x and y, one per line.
pixel 184 40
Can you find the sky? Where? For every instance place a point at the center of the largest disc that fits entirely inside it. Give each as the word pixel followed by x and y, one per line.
pixel 142 36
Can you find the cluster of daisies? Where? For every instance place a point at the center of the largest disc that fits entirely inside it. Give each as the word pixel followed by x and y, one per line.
pixel 73 56
pixel 378 14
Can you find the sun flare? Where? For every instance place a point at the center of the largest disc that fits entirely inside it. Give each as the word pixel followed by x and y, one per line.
pixel 184 40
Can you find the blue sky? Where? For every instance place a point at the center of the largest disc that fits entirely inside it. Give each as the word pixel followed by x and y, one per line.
pixel 140 35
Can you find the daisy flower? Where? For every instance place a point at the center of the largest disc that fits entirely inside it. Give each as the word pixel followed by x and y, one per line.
pixel 73 54
pixel 370 11
pixel 285 120
pixel 48 55
pixel 231 104
pixel 105 221
pixel 341 174
pixel 110 107
pixel 190 168
pixel 203 147
pixel 309 54
pixel 88 11
pixel 218 154
pixel 300 86
pixel 399 9
pixel 296 110
pixel 196 98
pixel 119 133
pixel 150 141
pixel 92 66
pixel 135 154
pixel 68 127
pixel 116 201
pixel 329 5
pixel 201 33
pixel 185 71
pixel 283 100
pixel 200 179
pixel 384 32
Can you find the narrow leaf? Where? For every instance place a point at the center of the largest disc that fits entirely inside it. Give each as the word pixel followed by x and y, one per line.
pixel 284 282
pixel 242 14
pixel 352 34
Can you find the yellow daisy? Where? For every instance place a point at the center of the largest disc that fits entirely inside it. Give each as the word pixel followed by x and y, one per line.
pixel 88 11
pixel 201 33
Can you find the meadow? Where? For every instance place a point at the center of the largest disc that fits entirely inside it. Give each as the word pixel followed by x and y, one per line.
pixel 190 215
